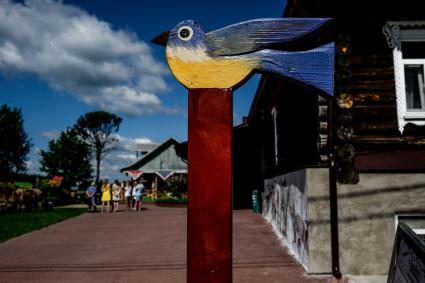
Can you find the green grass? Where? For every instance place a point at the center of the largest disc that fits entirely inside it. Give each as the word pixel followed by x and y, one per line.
pixel 23 184
pixel 13 225
pixel 148 199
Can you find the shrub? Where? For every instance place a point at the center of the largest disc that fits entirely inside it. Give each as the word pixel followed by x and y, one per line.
pixel 164 198
pixel 14 198
pixel 177 185
pixel 6 191
pixel 54 193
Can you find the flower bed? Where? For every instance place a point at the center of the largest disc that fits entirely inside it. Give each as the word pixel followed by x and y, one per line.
pixel 168 200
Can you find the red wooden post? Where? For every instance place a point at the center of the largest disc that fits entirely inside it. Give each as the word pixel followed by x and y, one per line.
pixel 209 237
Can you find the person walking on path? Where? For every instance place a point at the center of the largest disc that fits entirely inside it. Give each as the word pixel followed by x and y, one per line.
pixel 154 191
pixel 122 190
pixel 138 194
pixel 106 196
pixel 128 195
pixel 133 194
pixel 91 197
pixel 116 195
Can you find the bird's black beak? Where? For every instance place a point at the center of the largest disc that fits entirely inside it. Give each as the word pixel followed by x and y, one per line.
pixel 161 39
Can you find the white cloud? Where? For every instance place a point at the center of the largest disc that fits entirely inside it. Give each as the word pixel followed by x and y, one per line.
pixel 77 53
pixel 31 166
pixel 33 163
pixel 111 165
pixel 143 141
pixel 124 155
pixel 131 144
pixel 50 135
pixel 125 99
pixel 36 150
pixel 153 83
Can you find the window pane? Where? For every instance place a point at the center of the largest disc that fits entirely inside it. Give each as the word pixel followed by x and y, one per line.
pixel 413 221
pixel 413 50
pixel 414 78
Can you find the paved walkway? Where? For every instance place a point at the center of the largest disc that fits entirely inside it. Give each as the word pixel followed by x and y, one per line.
pixel 145 246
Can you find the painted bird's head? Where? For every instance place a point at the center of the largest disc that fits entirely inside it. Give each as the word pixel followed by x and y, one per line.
pixel 187 34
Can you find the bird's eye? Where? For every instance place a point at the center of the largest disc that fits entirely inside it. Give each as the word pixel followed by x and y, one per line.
pixel 185 33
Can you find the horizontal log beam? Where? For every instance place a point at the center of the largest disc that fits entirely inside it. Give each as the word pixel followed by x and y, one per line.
pixel 383 127
pixel 375 112
pixel 391 160
pixel 387 140
pixel 373 85
pixel 372 60
pixel 372 72
pixel 365 97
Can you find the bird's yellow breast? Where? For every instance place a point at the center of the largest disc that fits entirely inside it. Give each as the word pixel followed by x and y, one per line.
pixel 197 70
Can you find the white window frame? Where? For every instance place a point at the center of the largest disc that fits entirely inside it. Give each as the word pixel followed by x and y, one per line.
pixel 396 33
pixel 275 136
pixel 417 231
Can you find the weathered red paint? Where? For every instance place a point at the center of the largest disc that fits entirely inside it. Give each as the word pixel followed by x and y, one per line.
pixel 209 238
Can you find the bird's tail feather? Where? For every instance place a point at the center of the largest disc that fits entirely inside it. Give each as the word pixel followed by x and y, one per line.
pixel 314 67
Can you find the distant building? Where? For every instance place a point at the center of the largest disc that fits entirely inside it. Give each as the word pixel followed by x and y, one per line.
pixel 144 148
pixel 158 164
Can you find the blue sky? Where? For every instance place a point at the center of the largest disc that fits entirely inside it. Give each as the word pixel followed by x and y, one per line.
pixel 60 60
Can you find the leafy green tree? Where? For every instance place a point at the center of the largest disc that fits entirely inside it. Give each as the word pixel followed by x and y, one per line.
pixel 68 157
pixel 14 143
pixel 96 129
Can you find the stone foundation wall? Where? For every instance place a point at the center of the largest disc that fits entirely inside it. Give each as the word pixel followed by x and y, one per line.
pixel 285 208
pixel 297 206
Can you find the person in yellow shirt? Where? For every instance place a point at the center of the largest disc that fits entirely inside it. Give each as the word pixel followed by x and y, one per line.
pixel 106 196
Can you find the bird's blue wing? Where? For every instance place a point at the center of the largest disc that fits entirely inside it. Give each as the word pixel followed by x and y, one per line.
pixel 253 35
pixel 313 67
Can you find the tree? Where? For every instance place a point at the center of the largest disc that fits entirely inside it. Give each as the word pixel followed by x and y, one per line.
pixel 14 143
pixel 96 129
pixel 68 157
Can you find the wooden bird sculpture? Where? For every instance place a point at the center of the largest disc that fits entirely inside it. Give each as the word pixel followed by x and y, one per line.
pixel 226 57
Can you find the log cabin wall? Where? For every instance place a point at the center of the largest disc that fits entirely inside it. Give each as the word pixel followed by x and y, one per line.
pixel 377 142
